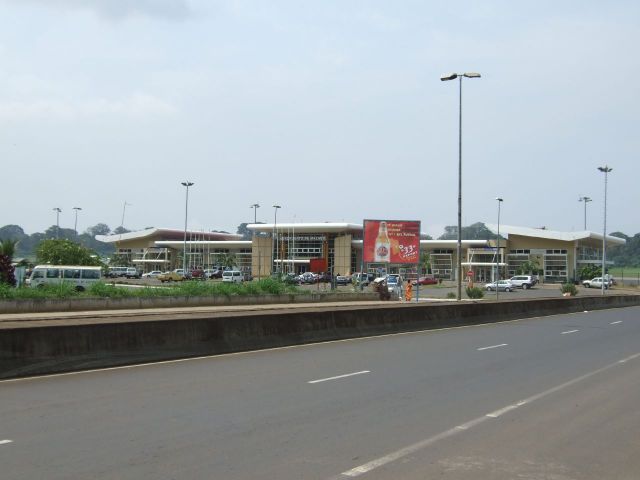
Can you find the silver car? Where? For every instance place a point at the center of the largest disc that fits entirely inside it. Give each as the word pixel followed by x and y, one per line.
pixel 503 286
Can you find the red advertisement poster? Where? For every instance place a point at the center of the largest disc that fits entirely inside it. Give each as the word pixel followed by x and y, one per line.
pixel 391 241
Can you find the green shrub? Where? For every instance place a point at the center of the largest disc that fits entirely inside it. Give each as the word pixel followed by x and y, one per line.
pixel 569 288
pixel 474 292
pixel 451 295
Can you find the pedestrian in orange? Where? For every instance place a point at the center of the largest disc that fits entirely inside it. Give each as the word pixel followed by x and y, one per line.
pixel 408 293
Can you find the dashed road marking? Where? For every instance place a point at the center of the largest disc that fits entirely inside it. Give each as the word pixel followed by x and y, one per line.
pixel 493 346
pixel 339 376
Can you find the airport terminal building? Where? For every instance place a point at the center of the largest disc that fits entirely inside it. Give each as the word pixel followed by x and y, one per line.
pixel 337 248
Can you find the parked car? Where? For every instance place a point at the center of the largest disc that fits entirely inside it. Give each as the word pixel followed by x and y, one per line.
pixel 197 274
pixel 234 276
pixel 394 283
pixel 213 273
pixel 426 280
pixel 343 280
pixel 153 274
pixel 362 278
pixel 309 277
pixel 173 276
pixel 596 283
pixel 503 286
pixel 524 281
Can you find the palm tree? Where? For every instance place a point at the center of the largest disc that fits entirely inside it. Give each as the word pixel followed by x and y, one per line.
pixel 8 247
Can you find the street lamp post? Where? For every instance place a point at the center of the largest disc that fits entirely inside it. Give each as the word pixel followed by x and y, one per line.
pixel 606 169
pixel 498 250
pixel 57 210
pixel 274 241
pixel 585 200
pixel 124 209
pixel 445 78
pixel 255 207
pixel 186 184
pixel 75 223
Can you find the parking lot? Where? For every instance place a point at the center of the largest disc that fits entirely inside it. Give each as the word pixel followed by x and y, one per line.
pixel 427 292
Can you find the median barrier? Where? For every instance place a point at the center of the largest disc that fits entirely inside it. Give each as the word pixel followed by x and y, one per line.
pixel 41 305
pixel 39 349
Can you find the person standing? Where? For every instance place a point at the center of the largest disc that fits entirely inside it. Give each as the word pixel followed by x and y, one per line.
pixel 408 293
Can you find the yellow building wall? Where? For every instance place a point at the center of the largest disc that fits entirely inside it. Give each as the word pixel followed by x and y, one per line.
pixel 342 255
pixel 261 257
pixel 518 242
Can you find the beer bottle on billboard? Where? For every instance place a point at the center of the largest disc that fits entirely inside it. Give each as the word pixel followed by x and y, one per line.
pixel 383 245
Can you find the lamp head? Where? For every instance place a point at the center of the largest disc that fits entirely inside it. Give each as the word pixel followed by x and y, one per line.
pixel 451 76
pixel 472 75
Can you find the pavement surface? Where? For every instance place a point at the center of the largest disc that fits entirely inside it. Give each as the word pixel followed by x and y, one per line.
pixel 551 398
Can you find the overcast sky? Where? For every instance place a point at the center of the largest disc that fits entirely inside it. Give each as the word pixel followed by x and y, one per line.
pixel 332 109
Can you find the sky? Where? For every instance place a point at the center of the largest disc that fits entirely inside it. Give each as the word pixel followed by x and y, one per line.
pixel 334 110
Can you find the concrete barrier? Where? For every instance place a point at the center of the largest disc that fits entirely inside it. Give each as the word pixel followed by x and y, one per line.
pixel 41 305
pixel 32 350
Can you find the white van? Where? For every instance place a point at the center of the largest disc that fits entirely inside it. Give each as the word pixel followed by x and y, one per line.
pixel 80 276
pixel 128 272
pixel 234 276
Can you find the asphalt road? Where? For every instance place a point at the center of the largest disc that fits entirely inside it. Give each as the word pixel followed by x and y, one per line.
pixel 549 398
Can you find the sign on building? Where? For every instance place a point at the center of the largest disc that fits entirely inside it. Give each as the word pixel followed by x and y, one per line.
pixel 391 241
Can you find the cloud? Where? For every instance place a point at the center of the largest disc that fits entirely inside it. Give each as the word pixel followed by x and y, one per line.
pixel 116 10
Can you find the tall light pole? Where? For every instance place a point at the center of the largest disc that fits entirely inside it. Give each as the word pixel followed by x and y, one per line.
pixel 186 184
pixel 75 223
pixel 445 78
pixel 498 250
pixel 585 200
pixel 275 233
pixel 255 207
pixel 57 210
pixel 606 169
pixel 124 209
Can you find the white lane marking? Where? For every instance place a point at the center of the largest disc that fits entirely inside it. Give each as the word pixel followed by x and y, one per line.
pixel 502 411
pixel 3 442
pixel 493 346
pixel 569 331
pixel 384 460
pixel 339 376
pixel 615 323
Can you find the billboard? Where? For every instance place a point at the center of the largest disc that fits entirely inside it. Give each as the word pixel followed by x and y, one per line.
pixel 391 241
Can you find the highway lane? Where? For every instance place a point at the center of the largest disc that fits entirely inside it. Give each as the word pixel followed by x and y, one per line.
pixel 321 411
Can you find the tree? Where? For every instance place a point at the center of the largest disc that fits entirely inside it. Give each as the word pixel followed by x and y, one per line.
pixel 530 266
pixel 65 252
pixel 244 231
pixel 7 270
pixel 425 262
pixel 120 230
pixel 227 260
pixel 477 231
pixel 98 229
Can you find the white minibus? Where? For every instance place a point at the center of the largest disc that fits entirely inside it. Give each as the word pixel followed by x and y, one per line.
pixel 80 277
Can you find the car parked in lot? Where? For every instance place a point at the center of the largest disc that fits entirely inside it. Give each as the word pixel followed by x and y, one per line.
pixel 503 286
pixel 596 283
pixel 394 283
pixel 524 281
pixel 153 274
pixel 197 274
pixel 213 273
pixel 309 277
pixel 426 280
pixel 234 276
pixel 343 280
pixel 362 278
pixel 173 276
